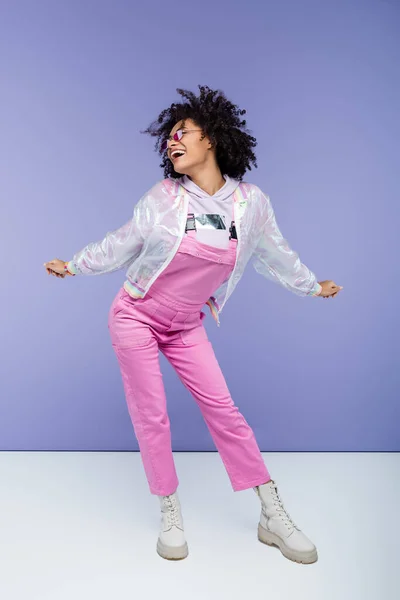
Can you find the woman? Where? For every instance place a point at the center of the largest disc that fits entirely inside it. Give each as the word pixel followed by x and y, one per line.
pixel 187 245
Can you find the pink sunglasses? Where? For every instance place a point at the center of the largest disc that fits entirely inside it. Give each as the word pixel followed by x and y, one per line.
pixel 177 136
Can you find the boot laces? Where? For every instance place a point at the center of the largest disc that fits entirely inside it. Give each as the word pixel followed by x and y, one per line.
pixel 172 511
pixel 284 515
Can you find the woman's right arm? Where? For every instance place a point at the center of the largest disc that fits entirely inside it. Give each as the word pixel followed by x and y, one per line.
pixel 118 248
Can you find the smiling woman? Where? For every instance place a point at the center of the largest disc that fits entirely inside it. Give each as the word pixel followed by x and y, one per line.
pixel 187 245
pixel 217 133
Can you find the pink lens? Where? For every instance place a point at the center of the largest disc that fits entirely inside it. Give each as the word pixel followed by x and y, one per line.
pixel 177 136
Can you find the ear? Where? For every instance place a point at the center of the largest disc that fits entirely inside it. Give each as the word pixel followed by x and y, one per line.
pixel 210 144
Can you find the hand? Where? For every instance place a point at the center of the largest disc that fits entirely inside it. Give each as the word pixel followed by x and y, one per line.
pixel 56 267
pixel 329 289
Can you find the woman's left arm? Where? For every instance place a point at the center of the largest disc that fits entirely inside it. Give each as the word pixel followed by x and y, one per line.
pixel 276 260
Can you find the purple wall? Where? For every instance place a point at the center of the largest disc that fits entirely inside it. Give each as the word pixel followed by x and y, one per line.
pixel 320 82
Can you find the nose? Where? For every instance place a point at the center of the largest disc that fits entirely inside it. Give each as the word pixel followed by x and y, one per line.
pixel 172 144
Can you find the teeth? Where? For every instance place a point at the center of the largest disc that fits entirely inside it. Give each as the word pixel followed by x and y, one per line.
pixel 178 152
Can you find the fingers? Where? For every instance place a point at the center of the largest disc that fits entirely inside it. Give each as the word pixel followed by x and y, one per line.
pixel 51 272
pixel 335 290
pixel 51 267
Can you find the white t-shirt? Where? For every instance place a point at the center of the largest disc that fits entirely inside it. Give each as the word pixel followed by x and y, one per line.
pixel 213 214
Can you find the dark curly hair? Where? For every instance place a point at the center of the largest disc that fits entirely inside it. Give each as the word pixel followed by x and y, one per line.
pixel 219 119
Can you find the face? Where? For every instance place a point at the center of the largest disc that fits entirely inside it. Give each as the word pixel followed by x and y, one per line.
pixel 197 151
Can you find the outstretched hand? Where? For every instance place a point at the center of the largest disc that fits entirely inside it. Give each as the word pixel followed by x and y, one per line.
pixel 329 289
pixel 56 267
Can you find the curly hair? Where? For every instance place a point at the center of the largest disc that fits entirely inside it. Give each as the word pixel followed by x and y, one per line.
pixel 219 120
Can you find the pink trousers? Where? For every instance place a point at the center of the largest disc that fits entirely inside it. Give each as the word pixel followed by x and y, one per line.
pixel 139 328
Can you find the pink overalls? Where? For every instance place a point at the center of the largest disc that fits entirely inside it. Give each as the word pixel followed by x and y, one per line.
pixel 169 318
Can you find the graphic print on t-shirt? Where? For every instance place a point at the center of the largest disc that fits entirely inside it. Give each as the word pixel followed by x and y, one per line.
pixel 211 229
pixel 212 218
pixel 210 222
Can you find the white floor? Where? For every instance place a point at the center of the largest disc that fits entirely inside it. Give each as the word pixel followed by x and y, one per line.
pixel 84 526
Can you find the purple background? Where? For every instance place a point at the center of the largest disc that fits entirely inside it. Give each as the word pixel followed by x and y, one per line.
pixel 320 82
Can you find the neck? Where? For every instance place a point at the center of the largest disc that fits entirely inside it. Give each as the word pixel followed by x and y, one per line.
pixel 209 179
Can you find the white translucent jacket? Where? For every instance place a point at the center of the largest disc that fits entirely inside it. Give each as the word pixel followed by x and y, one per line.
pixel 147 243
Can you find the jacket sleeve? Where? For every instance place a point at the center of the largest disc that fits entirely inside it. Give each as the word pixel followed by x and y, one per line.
pixel 118 248
pixel 274 259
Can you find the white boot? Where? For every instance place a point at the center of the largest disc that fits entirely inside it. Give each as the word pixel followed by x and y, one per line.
pixel 276 527
pixel 171 543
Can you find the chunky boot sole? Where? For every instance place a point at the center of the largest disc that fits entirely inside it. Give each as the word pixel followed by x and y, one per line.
pixel 267 537
pixel 172 552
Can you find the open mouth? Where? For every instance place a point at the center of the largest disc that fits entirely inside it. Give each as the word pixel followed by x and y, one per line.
pixel 176 155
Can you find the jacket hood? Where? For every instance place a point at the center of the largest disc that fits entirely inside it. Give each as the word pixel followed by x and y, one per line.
pixel 227 189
